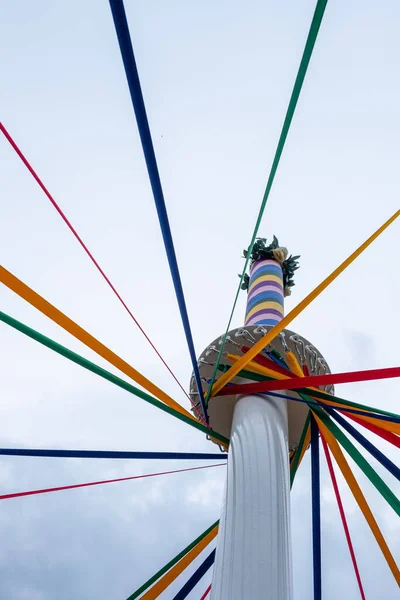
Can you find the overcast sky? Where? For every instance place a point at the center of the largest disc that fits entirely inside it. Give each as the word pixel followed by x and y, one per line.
pixel 216 77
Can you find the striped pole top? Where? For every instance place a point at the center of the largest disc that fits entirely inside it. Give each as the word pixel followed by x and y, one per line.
pixel 265 294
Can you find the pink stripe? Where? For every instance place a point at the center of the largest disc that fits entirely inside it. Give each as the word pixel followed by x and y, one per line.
pixel 254 320
pixel 263 263
pixel 265 288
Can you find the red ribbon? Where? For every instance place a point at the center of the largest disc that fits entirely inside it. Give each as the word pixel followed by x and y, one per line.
pixel 312 381
pixel 79 485
pixel 383 433
pixel 343 516
pixel 267 362
pixel 206 592
pixel 94 261
pixel 306 371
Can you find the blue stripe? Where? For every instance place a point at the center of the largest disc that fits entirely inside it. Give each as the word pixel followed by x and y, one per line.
pixel 380 457
pixel 132 76
pixel 109 454
pixel 270 270
pixel 316 509
pixel 265 297
pixel 195 578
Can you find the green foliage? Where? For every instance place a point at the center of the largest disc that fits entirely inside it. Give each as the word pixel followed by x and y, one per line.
pixel 262 251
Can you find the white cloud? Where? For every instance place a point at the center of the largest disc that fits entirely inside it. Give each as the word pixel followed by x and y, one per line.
pixel 216 89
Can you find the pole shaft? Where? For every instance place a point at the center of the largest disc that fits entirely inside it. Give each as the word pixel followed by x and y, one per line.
pixel 253 560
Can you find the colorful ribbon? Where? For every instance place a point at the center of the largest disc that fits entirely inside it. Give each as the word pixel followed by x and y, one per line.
pixel 389 424
pixel 271 335
pixel 375 452
pixel 90 255
pixel 179 567
pixel 263 360
pixel 25 292
pixel 336 401
pixel 87 364
pixel 109 454
pixel 316 510
pixel 298 84
pixel 304 442
pixel 328 399
pixel 208 590
pixel 255 367
pixel 311 381
pixel 294 365
pixel 392 438
pixel 342 515
pixel 358 458
pixel 359 496
pixel 195 578
pixel 132 76
pixel 92 483
pixel 171 563
pixel 306 399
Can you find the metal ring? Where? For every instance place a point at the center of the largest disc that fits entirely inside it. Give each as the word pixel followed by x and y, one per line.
pixel 283 341
pixel 299 343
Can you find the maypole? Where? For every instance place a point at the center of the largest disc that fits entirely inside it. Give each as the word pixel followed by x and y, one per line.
pixel 240 394
pixel 253 558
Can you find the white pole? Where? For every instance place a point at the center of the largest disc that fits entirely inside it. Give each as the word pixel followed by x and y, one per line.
pixel 253 559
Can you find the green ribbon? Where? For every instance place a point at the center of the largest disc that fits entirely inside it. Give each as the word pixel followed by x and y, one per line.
pixel 325 396
pixel 171 563
pixel 87 364
pixel 315 394
pixel 246 374
pixel 358 458
pixel 296 458
pixel 298 84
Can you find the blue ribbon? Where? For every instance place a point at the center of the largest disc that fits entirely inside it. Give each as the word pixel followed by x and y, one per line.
pixel 195 578
pixel 384 460
pixel 110 454
pixel 316 510
pixel 322 404
pixel 132 76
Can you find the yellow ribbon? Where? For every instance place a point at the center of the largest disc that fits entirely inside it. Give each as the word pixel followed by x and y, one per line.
pixel 271 335
pixel 294 364
pixel 269 372
pixel 25 292
pixel 359 496
pixel 388 425
pixel 173 573
pixel 255 367
pixel 296 368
